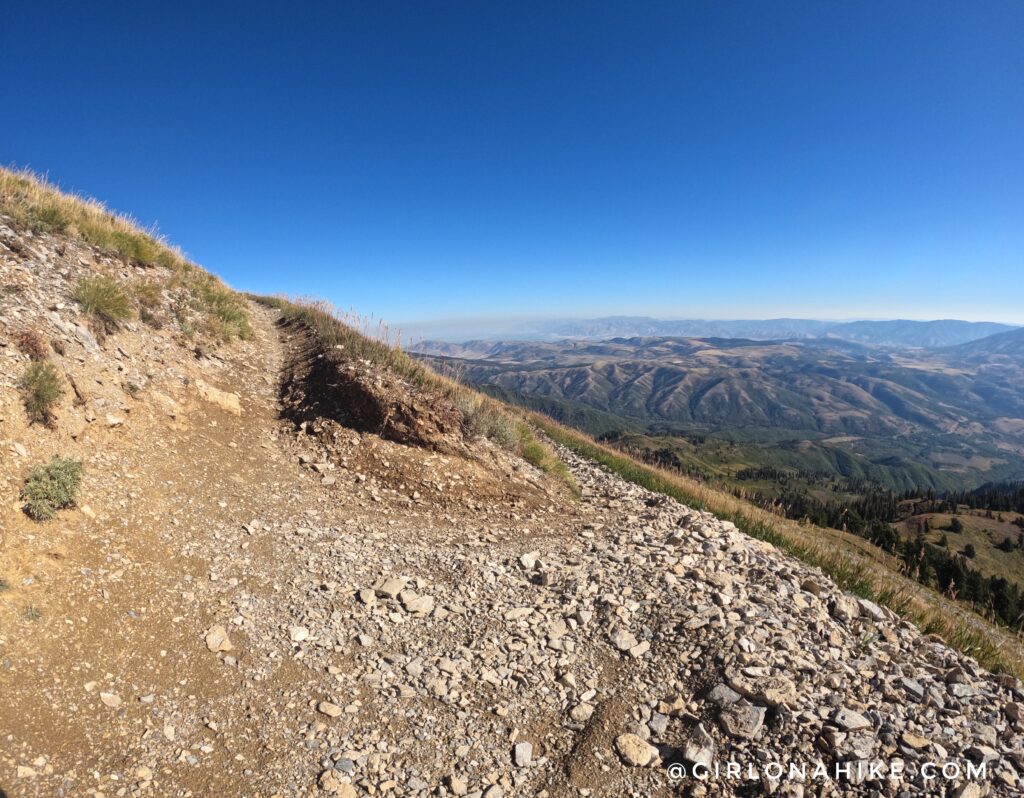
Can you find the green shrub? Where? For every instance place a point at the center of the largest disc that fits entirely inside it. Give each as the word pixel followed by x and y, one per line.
pixel 227 317
pixel 135 247
pixel 51 487
pixel 484 418
pixel 148 294
pixel 48 219
pixel 41 388
pixel 103 299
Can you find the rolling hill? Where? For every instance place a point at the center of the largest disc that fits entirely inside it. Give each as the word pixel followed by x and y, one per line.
pixel 944 418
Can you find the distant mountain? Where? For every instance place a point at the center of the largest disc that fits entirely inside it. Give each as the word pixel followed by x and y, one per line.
pixel 1003 345
pixel 940 417
pixel 896 334
pixel 632 326
pixel 924 334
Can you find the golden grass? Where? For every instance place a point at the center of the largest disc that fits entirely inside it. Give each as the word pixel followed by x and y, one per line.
pixel 852 562
pixel 37 205
pixel 208 306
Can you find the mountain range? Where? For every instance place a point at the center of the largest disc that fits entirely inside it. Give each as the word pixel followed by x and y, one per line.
pixel 899 333
pixel 944 417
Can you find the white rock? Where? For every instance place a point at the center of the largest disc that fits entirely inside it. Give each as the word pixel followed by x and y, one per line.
pixel 523 754
pixel 635 751
pixel 217 639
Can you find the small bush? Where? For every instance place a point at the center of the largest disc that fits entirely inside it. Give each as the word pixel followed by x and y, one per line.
pixel 154 320
pixel 51 487
pixel 136 247
pixel 33 344
pixel 47 219
pixel 41 388
pixel 148 294
pixel 104 300
pixel 149 297
pixel 483 418
pixel 226 314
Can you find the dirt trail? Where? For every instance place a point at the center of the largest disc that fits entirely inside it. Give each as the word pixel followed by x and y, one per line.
pixel 106 679
pixel 120 622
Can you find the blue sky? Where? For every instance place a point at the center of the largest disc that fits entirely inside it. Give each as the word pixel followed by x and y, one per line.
pixel 437 160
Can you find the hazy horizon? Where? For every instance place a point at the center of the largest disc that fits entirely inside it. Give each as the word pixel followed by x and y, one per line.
pixel 467 328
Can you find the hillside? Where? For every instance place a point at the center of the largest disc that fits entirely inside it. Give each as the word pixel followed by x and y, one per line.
pixel 949 419
pixel 1009 345
pixel 298 563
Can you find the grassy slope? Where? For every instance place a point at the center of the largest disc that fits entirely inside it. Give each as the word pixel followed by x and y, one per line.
pixel 981 532
pixel 35 205
pixel 852 562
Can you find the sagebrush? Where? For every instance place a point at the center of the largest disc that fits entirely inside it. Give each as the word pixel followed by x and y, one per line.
pixel 41 387
pixel 52 487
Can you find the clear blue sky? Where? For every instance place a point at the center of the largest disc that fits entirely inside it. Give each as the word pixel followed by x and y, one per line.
pixel 425 160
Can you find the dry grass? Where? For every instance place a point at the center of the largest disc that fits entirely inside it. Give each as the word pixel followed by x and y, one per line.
pixel 222 312
pixel 204 305
pixel 850 561
pixel 35 204
pixel 481 415
pixel 148 294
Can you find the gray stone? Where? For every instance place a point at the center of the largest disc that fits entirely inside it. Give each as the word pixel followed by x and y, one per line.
pixel 739 720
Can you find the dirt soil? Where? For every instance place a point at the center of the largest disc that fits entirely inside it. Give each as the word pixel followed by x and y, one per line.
pixel 186 519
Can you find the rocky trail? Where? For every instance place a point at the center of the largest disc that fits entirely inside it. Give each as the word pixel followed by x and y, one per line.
pixel 243 605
